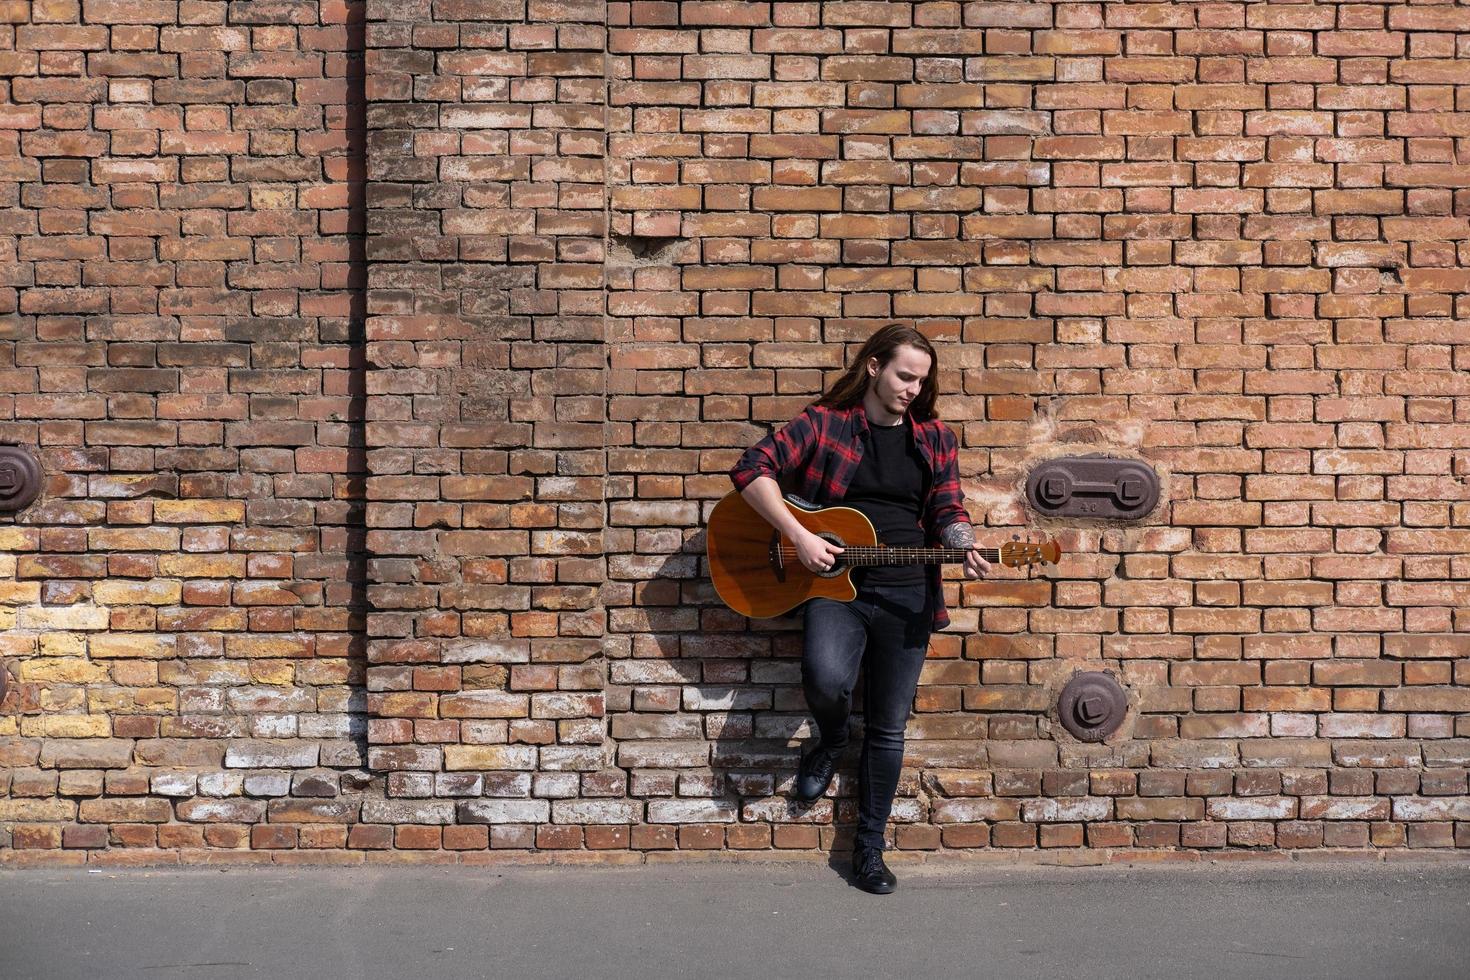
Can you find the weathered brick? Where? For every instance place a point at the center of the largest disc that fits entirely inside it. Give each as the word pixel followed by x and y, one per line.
pixel 319 383
pixel 87 753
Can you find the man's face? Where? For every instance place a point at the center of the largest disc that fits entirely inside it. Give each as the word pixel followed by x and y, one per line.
pixel 899 381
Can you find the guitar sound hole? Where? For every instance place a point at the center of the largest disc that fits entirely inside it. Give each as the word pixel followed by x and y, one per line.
pixel 839 565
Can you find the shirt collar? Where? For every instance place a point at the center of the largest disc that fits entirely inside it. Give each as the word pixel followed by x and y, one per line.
pixel 860 416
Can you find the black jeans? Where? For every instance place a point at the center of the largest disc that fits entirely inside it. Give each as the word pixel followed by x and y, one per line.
pixel 888 628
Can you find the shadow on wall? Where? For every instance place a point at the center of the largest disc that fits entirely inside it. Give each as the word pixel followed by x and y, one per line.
pixel 740 701
pixel 355 532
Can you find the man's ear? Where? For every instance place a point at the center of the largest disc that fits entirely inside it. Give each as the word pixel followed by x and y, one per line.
pixel 872 367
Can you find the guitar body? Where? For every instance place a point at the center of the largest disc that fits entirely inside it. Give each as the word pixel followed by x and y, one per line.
pixel 741 548
pixel 756 572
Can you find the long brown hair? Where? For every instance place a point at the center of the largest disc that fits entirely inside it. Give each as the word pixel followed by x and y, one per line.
pixel 849 389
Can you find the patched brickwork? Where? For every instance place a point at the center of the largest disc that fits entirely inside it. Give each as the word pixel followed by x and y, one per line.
pixel 385 358
pixel 485 431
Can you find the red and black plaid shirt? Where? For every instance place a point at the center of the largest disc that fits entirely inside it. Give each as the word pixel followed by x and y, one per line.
pixel 816 454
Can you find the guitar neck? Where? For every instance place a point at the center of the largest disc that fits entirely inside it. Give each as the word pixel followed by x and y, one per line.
pixel 866 555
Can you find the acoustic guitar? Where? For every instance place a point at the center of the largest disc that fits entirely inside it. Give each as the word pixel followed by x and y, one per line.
pixel 756 571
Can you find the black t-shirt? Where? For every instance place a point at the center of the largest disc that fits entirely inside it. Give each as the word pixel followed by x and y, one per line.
pixel 888 488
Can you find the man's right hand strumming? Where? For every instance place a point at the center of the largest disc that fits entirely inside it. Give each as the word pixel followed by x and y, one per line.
pixel 816 554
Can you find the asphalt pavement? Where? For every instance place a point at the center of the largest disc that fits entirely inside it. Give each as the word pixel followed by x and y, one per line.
pixel 754 918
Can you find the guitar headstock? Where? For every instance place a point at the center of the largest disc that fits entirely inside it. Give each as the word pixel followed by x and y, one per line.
pixel 1020 553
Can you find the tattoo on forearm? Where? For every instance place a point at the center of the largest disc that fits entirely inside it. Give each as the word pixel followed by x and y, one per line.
pixel 958 535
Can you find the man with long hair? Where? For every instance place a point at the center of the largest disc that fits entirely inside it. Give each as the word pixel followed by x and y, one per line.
pixel 873 442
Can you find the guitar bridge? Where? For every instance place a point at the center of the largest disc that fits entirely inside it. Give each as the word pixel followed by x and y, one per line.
pixel 777 561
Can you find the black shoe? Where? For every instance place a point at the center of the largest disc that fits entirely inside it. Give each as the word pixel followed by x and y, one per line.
pixel 871 874
pixel 814 774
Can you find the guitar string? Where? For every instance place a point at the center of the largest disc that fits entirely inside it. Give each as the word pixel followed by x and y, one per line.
pixel 861 555
pixel 859 549
pixel 869 549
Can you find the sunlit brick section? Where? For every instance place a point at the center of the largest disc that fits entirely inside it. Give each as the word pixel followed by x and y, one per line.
pixel 386 359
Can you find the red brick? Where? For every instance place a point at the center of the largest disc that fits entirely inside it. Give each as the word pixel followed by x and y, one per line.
pixel 1259 296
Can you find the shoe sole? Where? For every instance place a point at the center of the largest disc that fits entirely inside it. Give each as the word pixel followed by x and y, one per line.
pixel 805 801
pixel 878 890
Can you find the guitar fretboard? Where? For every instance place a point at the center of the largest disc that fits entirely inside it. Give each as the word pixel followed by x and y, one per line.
pixel 864 555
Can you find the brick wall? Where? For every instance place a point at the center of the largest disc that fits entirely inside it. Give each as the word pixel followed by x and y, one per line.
pixel 485 426
pixel 181 280
pixel 384 359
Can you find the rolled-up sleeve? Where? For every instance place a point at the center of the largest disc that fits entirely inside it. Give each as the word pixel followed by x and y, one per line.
pixel 779 454
pixel 947 502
